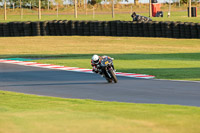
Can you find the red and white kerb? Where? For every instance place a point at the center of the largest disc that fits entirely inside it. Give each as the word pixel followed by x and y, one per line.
pixel 75 69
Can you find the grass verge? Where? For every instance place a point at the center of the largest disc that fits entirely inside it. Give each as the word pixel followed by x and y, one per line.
pixel 22 113
pixel 165 58
pixel 175 16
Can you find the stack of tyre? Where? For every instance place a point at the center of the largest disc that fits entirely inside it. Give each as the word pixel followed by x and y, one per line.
pixel 187 30
pixel 182 29
pixel 146 29
pixel 140 29
pixel 4 30
pixel 113 28
pixel 151 27
pixel 119 28
pixel 134 29
pixel 86 28
pixel 158 29
pixel 194 30
pixel 175 26
pixel 198 30
pixel 35 26
pixel 27 28
pixel 107 28
pixel 101 28
pixel 129 31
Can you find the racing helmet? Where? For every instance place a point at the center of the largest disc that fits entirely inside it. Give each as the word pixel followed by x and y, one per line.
pixel 95 59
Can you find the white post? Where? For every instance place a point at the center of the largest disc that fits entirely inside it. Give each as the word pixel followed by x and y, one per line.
pixel 190 8
pixel 113 14
pixel 39 10
pixel 48 4
pixel 85 7
pixel 93 12
pixel 57 10
pixel 131 9
pixel 22 12
pixel 20 4
pixel 169 12
pixel 75 8
pixel 13 6
pixel 5 15
pixel 150 12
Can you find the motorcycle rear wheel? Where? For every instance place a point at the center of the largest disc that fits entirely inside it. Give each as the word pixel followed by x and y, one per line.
pixel 109 80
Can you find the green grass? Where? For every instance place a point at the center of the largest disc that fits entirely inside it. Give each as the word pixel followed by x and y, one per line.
pixel 163 68
pixel 175 16
pixel 20 113
pixel 162 57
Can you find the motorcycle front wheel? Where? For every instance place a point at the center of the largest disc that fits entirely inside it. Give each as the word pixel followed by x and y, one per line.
pixel 113 76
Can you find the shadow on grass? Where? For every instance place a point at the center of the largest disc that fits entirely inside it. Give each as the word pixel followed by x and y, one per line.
pixel 171 56
pixel 169 73
pixel 160 73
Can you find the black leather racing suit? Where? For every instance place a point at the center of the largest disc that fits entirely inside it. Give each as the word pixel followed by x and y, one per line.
pixel 97 67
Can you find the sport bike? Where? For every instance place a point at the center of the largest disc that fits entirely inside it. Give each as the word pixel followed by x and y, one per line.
pixel 107 69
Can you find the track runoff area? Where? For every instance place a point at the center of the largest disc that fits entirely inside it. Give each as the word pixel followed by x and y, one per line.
pixel 75 69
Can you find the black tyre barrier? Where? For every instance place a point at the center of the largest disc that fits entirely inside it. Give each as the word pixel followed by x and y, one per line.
pixel 151 26
pixel 158 29
pixel 198 30
pixel 193 31
pixel 73 27
pixel 119 28
pixel 101 28
pixel 168 30
pixel 98 28
pixel 6 30
pixel 51 28
pixel 86 28
pixel 175 29
pixel 134 29
pixel 130 31
pixel 187 30
pixel 113 28
pixel 140 29
pixel 35 26
pixel 27 28
pixel 125 28
pixel 107 28
pixel 182 30
pixel 163 30
pixel 146 29
pixel 1 29
pixel 57 28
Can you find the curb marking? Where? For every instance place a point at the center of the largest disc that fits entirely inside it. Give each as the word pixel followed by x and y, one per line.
pixel 74 69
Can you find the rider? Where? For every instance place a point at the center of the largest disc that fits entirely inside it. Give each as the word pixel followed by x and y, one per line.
pixel 96 63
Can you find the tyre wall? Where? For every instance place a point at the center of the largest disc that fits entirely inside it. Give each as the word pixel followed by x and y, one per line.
pixel 101 28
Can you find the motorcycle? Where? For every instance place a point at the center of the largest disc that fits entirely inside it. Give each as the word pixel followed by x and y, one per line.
pixel 107 69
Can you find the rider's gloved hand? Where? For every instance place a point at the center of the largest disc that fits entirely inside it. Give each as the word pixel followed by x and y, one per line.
pixel 100 72
pixel 95 70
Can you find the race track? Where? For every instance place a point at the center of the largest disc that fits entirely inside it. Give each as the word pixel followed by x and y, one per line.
pixel 58 83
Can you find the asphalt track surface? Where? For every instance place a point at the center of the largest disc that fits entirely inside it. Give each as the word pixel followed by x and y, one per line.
pixel 58 83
